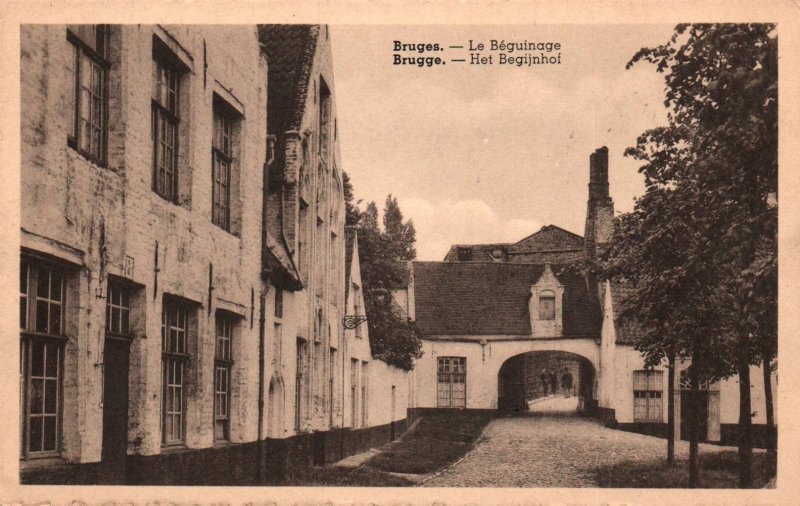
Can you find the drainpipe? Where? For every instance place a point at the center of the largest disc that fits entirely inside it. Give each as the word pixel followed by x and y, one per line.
pixel 261 364
pixel 262 304
pixel 265 286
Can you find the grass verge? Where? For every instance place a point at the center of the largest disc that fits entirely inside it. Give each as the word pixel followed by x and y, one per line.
pixel 717 470
pixel 438 440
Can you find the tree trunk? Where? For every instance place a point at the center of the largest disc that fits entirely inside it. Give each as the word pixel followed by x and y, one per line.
pixel 771 446
pixel 694 433
pixel 745 422
pixel 671 410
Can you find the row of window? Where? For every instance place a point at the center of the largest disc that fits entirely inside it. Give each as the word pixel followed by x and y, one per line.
pixel 452 381
pixel 89 127
pixel 42 344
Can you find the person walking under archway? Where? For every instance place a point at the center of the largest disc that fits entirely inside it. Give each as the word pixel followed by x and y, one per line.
pixel 543 377
pixel 566 383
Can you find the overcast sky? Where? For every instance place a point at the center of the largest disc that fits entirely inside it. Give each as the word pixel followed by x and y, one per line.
pixel 480 154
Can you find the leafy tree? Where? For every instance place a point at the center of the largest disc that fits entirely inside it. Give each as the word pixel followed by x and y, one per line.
pixel 652 252
pixel 721 85
pixel 352 213
pixel 394 338
pixel 401 235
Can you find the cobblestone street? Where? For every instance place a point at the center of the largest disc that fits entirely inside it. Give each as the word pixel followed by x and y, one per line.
pixel 550 451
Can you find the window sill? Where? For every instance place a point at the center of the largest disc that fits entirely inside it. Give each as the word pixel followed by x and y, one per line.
pixel 165 199
pixel 174 448
pixel 37 463
pixel 100 164
pixel 229 232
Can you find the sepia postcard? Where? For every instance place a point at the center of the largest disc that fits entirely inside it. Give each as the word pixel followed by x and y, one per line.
pixel 451 253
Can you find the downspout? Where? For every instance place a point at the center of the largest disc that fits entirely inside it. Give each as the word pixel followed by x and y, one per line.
pixel 265 280
pixel 262 305
pixel 261 362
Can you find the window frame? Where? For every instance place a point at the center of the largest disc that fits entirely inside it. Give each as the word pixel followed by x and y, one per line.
pixel 164 60
pixel 364 393
pixel 547 295
pixel 223 145
pixel 124 291
pixel 300 377
pixel 649 394
pixel 354 381
pixel 100 59
pixel 331 381
pixel 460 371
pixel 30 338
pixel 180 358
pixel 223 366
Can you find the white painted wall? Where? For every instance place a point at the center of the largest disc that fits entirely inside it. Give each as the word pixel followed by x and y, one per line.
pixel 382 377
pixel 484 362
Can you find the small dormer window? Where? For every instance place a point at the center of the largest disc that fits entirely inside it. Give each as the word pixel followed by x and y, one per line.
pixel 464 254
pixel 547 305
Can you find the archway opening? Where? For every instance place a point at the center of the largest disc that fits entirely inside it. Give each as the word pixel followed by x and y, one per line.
pixel 545 382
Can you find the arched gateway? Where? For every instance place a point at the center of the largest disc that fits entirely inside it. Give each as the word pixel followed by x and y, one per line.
pixel 531 379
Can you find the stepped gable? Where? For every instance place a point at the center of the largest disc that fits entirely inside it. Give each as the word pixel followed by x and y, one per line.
pixel 491 299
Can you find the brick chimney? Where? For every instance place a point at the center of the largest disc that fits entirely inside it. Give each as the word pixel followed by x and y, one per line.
pixel 600 207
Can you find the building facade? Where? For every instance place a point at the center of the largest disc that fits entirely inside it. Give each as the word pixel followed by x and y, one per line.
pixel 326 373
pixel 503 324
pixel 141 242
pixel 182 273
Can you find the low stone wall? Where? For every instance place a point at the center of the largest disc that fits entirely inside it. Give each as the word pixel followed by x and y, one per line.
pixel 258 463
pixel 729 435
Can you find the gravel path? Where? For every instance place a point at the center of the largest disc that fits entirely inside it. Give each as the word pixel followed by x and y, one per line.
pixel 552 450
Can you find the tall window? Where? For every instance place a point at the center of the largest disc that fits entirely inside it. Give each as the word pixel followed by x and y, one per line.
pixel 277 345
pixel 223 362
pixel 331 377
pixel 299 382
pixel 88 130
pixel 222 152
pixel 547 305
pixel 175 360
pixel 278 303
pixel 647 391
pixel 42 291
pixel 364 392
pixel 452 381
pixel 354 392
pixel 324 120
pixel 165 122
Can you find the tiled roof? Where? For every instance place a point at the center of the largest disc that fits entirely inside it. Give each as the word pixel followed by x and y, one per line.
pixel 278 260
pixel 549 238
pixel 472 298
pixel 551 244
pixel 290 50
pixel 480 252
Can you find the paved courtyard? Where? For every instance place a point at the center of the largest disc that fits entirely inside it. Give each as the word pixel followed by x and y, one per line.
pixel 550 450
